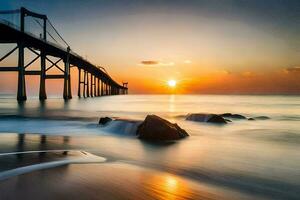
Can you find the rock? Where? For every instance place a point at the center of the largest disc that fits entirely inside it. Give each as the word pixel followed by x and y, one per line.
pixel 228 120
pixel 156 128
pixel 203 117
pixel 261 118
pixel 233 116
pixel 251 119
pixel 226 115
pixel 104 120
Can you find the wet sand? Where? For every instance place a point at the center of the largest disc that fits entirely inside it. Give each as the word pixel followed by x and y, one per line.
pixel 131 169
pixel 107 179
pixel 112 180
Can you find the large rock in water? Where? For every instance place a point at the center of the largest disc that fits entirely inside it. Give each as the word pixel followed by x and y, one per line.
pixel 156 128
pixel 204 117
pixel 104 120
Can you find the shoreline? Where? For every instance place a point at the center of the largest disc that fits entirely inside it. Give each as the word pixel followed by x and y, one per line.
pixel 110 180
pixel 224 183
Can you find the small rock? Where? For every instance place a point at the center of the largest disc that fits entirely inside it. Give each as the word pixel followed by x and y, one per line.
pixel 156 128
pixel 203 117
pixel 104 120
pixel 226 115
pixel 233 116
pixel 251 119
pixel 262 117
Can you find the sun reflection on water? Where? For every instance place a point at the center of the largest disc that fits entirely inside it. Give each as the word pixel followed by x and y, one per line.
pixel 171 183
pixel 168 187
pixel 172 103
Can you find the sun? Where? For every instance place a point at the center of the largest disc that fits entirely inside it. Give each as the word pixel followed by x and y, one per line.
pixel 172 83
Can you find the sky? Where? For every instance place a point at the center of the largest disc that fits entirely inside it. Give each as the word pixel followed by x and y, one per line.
pixel 206 46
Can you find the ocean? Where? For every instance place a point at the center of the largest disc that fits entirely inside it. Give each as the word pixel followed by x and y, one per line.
pixel 257 159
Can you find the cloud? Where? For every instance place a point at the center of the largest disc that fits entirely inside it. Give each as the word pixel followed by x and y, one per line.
pixel 155 63
pixel 292 70
pixel 187 62
pixel 149 62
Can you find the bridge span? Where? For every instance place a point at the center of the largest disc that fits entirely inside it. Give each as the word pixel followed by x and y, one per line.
pixel 92 80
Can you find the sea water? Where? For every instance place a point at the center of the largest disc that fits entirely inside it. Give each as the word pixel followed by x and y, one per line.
pixel 259 158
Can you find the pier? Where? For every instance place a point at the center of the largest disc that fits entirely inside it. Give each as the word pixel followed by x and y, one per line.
pixel 93 81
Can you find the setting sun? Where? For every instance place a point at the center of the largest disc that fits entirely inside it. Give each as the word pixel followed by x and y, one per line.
pixel 172 83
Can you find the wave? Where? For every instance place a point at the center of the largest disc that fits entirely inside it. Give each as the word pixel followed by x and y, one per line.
pixel 66 125
pixel 82 157
pixel 271 135
pixel 122 126
pixel 48 117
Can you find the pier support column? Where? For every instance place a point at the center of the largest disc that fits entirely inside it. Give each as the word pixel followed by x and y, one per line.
pixel 79 83
pixel 21 96
pixel 66 94
pixel 101 88
pixel 95 86
pixel 98 87
pixel 84 83
pixel 95 91
pixel 106 88
pixel 66 75
pixel 69 85
pixel 87 85
pixel 42 94
pixel 92 92
pixel 67 81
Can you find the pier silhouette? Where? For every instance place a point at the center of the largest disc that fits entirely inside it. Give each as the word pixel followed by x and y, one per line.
pixel 93 81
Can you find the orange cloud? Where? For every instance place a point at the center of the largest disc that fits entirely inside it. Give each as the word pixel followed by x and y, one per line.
pixel 155 63
pixel 149 62
pixel 292 70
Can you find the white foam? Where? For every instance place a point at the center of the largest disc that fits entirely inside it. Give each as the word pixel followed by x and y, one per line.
pixel 86 158
pixel 122 127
